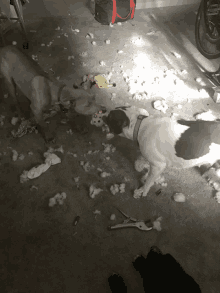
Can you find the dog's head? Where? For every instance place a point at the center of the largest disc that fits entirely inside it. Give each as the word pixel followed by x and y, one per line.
pixel 116 121
pixel 84 103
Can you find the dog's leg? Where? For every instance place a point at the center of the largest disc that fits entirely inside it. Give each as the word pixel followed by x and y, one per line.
pixel 12 92
pixel 44 127
pixel 155 172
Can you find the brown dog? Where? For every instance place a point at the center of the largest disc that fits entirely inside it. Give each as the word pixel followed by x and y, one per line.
pixel 164 142
pixel 22 74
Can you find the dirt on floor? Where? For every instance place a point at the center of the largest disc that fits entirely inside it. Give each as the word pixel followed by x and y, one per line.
pixel 41 250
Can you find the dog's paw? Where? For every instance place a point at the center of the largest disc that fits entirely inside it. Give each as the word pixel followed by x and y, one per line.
pixel 141 164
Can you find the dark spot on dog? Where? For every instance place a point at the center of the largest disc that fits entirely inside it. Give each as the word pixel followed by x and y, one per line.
pixel 195 142
pixel 116 121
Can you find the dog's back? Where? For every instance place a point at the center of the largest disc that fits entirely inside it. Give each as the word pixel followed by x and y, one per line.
pixel 180 146
pixel 19 67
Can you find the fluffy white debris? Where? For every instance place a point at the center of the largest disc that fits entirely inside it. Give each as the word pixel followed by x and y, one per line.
pixel 14 120
pixel 76 179
pixel 102 63
pixel 15 155
pixel 108 148
pixel 161 106
pixel 2 118
pixel 86 166
pixel 52 202
pixel 97 212
pixel 93 191
pixel 107 42
pixel 21 157
pixel 122 187
pixel 160 180
pixel 138 193
pixel 157 224
pixel 117 188
pixel 113 217
pixel 52 159
pixel 114 189
pixel 206 116
pixel 217 172
pixel 24 177
pixel 94 43
pixel 179 197
pixel 59 197
pixel 105 174
pixel 30 153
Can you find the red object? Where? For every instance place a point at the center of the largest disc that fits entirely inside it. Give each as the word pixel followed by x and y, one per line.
pixel 114 13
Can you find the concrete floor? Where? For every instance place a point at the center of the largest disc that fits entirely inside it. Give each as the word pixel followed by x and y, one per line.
pixel 40 250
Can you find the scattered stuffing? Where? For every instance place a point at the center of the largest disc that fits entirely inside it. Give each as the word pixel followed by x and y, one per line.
pixel 30 153
pixel 102 63
pixel 104 174
pixel 105 128
pixel 58 198
pixel 114 189
pixel 107 158
pixel 107 42
pixel 161 181
pixel 206 116
pixel 138 193
pixel 86 166
pixel 157 224
pixel 76 179
pixel 117 188
pixel 214 184
pixel 94 43
pixel 93 191
pixel 179 197
pixel 21 157
pixel 161 106
pixel 15 155
pixel 14 120
pixel 217 196
pixel 97 212
pixel 113 217
pixel 108 148
pixel 33 187
pixel 2 118
pixel 99 169
pixel 24 177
